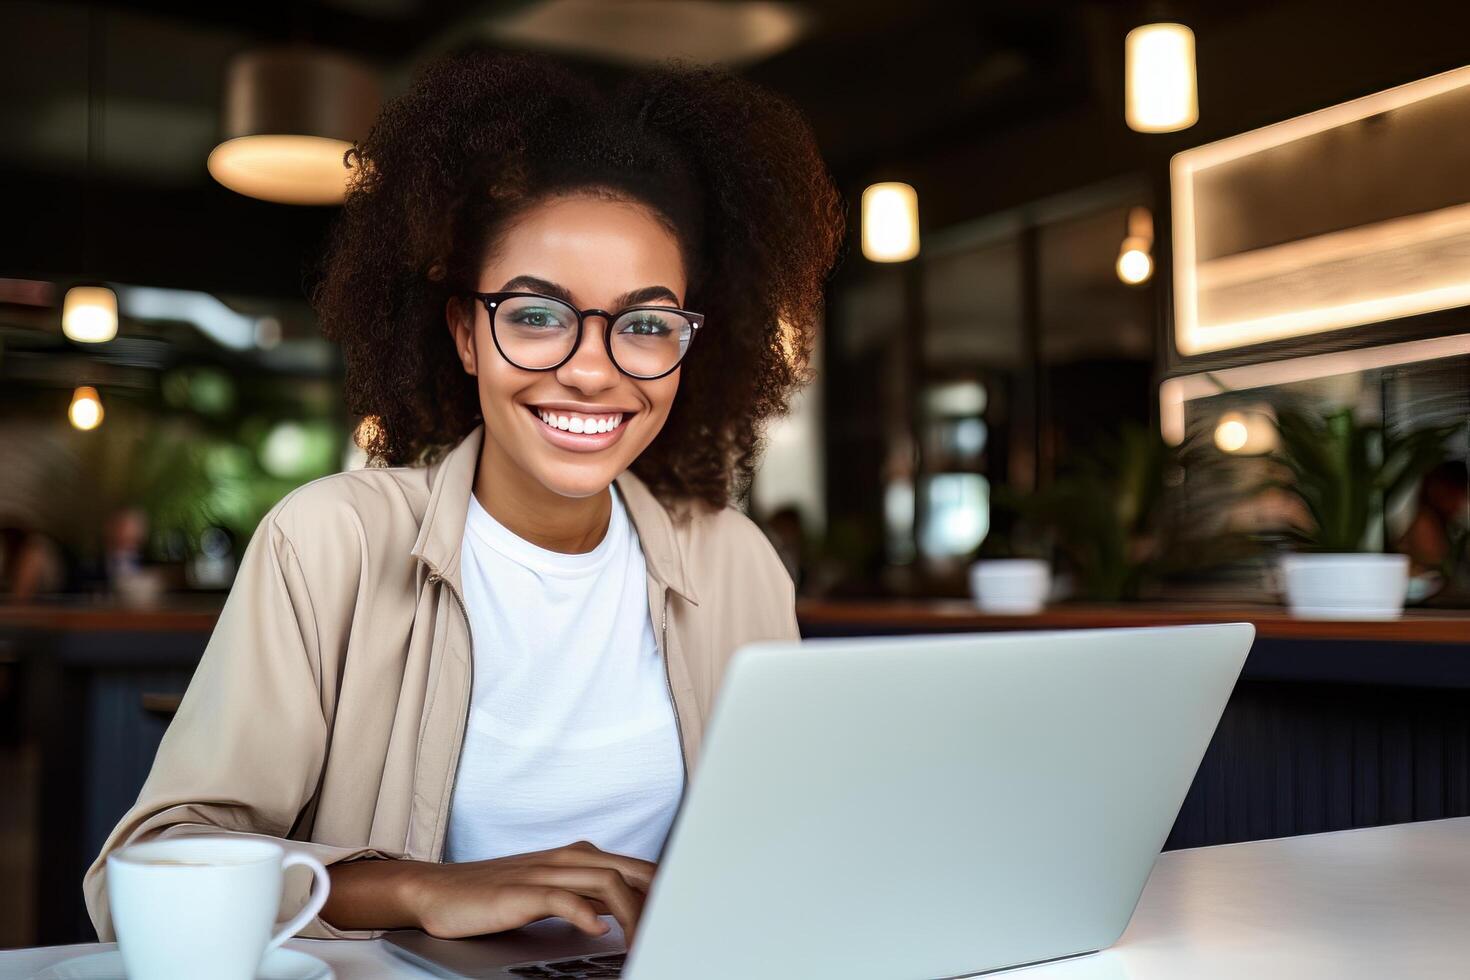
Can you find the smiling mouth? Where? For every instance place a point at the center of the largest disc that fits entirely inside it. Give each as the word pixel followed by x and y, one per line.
pixel 580 422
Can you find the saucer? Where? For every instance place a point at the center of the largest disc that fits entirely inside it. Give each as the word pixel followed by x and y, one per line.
pixel 279 964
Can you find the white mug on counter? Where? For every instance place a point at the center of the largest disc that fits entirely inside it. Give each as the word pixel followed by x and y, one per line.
pixel 1010 586
pixel 191 907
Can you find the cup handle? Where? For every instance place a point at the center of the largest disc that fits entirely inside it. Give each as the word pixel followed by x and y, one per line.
pixel 314 902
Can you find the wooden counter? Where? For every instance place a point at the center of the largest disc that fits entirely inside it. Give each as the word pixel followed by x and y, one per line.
pixel 184 615
pixel 1417 626
pixel 822 615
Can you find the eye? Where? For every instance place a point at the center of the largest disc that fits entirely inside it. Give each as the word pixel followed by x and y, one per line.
pixel 649 323
pixel 531 316
pixel 647 326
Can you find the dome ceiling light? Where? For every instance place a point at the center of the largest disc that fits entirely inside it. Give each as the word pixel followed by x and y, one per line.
pixel 290 114
pixel 734 33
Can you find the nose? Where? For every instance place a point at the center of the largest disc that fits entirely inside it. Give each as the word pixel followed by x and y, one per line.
pixel 590 368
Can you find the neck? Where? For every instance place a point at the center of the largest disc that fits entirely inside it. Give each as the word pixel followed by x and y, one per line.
pixel 534 513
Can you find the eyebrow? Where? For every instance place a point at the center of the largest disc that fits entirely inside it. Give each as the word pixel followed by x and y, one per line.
pixel 645 294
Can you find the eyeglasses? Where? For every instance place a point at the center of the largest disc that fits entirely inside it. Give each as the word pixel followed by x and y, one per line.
pixel 540 333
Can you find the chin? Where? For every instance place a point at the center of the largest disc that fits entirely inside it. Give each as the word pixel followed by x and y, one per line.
pixel 578 481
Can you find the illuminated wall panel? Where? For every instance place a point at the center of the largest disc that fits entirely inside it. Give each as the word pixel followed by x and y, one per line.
pixel 1353 215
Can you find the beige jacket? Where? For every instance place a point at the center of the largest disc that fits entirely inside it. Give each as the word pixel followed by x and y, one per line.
pixel 329 706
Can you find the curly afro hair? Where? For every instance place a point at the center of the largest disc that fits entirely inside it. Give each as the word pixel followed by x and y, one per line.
pixel 730 167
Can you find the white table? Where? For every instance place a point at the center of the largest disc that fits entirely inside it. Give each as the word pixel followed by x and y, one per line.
pixel 1389 902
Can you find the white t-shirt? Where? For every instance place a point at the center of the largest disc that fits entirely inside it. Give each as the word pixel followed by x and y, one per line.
pixel 571 734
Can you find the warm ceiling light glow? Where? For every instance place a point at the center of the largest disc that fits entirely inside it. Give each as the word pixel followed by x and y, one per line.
pixel 86 408
pixel 290 114
pixel 1135 257
pixel 89 314
pixel 1231 433
pixel 890 222
pixel 1248 433
pixel 1161 94
pixel 283 169
pixel 1134 265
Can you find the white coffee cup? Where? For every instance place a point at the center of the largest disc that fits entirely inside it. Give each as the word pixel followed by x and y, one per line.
pixel 191 907
pixel 1010 586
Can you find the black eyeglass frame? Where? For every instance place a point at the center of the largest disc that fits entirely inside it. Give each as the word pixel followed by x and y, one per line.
pixel 491 300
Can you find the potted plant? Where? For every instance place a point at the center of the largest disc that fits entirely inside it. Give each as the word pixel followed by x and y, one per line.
pixel 1346 473
pixel 1104 516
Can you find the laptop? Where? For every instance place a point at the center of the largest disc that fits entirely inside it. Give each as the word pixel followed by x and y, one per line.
pixel 917 807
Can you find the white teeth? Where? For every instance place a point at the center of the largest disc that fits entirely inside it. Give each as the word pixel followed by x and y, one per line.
pixel 580 423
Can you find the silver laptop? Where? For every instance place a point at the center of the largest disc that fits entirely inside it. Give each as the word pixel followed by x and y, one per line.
pixel 910 807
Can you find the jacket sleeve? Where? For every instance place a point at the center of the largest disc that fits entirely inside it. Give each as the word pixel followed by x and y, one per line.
pixel 244 753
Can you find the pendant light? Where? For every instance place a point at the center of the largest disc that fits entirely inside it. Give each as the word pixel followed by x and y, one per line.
pixel 890 217
pixel 85 411
pixel 89 313
pixel 1161 81
pixel 290 114
pixel 1135 257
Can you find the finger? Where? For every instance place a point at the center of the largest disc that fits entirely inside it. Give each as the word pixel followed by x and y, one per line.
pixel 574 908
pixel 635 871
pixel 602 885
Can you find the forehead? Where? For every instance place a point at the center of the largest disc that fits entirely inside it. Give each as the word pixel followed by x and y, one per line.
pixel 596 248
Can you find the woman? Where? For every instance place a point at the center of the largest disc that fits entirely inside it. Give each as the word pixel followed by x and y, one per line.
pixel 472 679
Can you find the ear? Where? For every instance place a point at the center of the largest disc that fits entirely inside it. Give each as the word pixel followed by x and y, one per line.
pixel 459 316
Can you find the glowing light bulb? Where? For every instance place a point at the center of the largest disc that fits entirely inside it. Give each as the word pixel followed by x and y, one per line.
pixel 1135 256
pixel 1231 432
pixel 1134 265
pixel 85 412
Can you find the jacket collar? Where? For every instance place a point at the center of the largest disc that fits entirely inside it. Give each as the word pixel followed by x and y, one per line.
pixel 452 480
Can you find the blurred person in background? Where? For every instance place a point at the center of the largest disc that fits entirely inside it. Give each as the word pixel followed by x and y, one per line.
pixel 1436 537
pixel 473 677
pixel 39 473
pixel 30 562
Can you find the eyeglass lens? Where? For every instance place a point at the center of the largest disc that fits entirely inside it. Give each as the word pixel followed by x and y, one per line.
pixel 536 332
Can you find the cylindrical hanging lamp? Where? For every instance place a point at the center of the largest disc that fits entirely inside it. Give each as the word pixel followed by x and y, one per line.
pixel 290 114
pixel 890 216
pixel 1161 93
pixel 89 314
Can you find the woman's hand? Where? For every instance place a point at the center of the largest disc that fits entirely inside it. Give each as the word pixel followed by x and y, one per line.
pixel 577 882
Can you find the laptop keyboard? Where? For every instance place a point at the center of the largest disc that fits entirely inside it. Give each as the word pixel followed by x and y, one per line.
pixel 604 965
